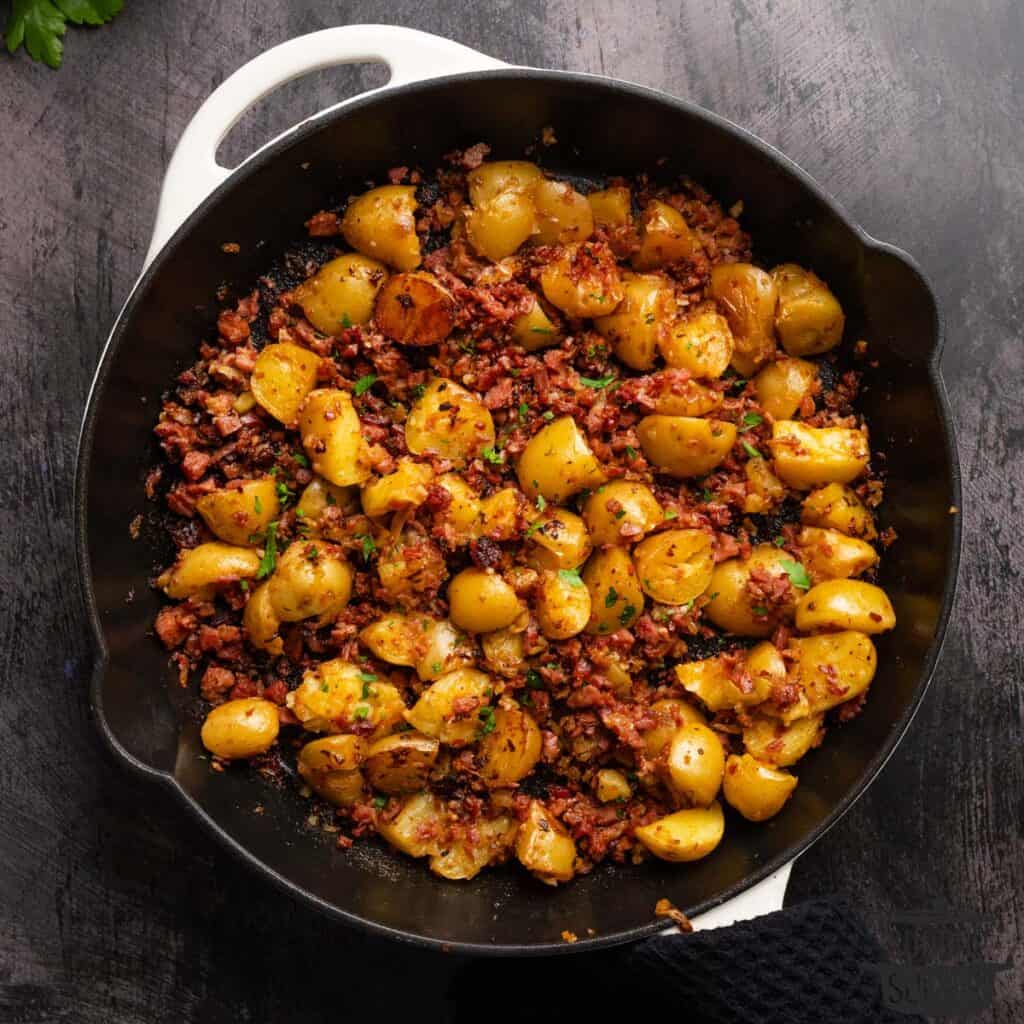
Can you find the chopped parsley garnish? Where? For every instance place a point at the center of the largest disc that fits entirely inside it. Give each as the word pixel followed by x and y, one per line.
pixel 41 24
pixel 750 420
pixel 751 451
pixel 301 459
pixel 534 680
pixel 571 576
pixel 493 456
pixel 541 330
pixel 630 452
pixel 380 802
pixel 312 553
pixel 368 677
pixel 671 513
pixel 368 547
pixel 346 320
pixel 257 504
pixel 284 493
pixel 759 609
pixel 597 383
pixel 779 542
pixel 533 528
pixel 547 415
pixel 524 410
pixel 611 597
pixel 706 495
pixel 364 384
pixel 541 503
pixel 362 712
pixel 620 513
pixel 419 390
pixel 626 615
pixel 436 667
pixel 268 563
pixel 486 716
pixel 649 319
pixel 243 585
pixel 738 382
pixel 797 574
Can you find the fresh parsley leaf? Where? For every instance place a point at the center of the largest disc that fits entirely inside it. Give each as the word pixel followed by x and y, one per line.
pixel 361 712
pixel 797 574
pixel 268 563
pixel 41 24
pixel 301 459
pixel 284 493
pixel 364 384
pixel 759 609
pixel 346 320
pixel 626 615
pixel 750 420
pixel 611 597
pixel 630 452
pixel 380 802
pixel 312 553
pixel 486 716
pixel 368 677
pixel 257 505
pixel 493 456
pixel 419 390
pixel 706 495
pixel 571 576
pixel 368 547
pixel 534 527
pixel 751 451
pixel 547 415
pixel 534 680
pixel 597 383
pixel 541 330
pixel 524 410
pixel 671 513
pixel 541 503
pixel 779 542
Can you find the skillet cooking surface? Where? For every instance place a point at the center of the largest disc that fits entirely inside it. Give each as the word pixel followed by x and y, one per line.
pixel 619 128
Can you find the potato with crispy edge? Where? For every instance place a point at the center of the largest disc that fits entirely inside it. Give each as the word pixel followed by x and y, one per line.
pixel 563 215
pixel 720 689
pixel 837 507
pixel 621 512
pixel 616 597
pixel 320 495
pixel 467 851
pixel 261 622
pixel 700 342
pixel 829 554
pixel 403 488
pixel 832 668
pixel 734 609
pixel 780 743
pixel 782 386
pixel 431 646
pixel 562 604
pixel 241 512
pixel 336 695
pixel 536 329
pixel 504 650
pixel 341 293
pixel 686 835
pixel 634 330
pixel 333 439
pixel 449 421
pixel 240 728
pixel 401 763
pixel 748 297
pixel 808 318
pixel 509 752
pixel 583 281
pixel 480 601
pixel 670 714
pixel 414 309
pixel 436 714
pixel 330 767
pixel 845 604
pixel 611 785
pixel 665 237
pixel 501 513
pixel 675 566
pixel 198 572
pixel 283 375
pixel 419 829
pixel 755 789
pixel 557 539
pixel 381 224
pixel 557 462
pixel 544 847
pixel 498 226
pixel 808 457
pixel 683 446
pixel 677 394
pixel 611 207
pixel 312 579
pixel 496 176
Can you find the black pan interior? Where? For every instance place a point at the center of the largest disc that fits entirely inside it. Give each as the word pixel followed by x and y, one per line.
pixel 600 126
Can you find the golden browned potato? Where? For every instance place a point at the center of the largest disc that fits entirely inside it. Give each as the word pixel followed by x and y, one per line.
pixel 330 767
pixel 732 606
pixel 808 457
pixel 240 728
pixel 318 496
pixel 480 601
pixel 401 763
pixel 782 386
pixel 200 571
pixel 755 789
pixel 694 764
pixel 410 567
pixel 679 395
pixel 332 436
pixel 675 566
pixel 419 829
pixel 616 598
pixel 432 646
pixel 686 835
pixel 700 342
pixel 611 785
pixel 640 321
pixel 449 421
pixel 284 374
pixel 504 650
pixel 497 227
pixel 381 224
pixel 497 176
pixel 665 237
pixel 336 695
pixel 544 847
pixel 808 319
pixel 557 539
pixel 404 488
pixel 469 850
pixel 748 297
pixel 438 711
pixel 775 742
pixel 611 207
pixel 563 215
pixel 341 293
pixel 557 462
pixel 536 330
pixel 500 514
pixel 241 512
pixel 845 604
pixel 683 446
pixel 671 714
pixel 621 512
pixel 312 578
pixel 511 749
pixel 464 516
pixel 833 668
pixel 562 605
pixel 415 309
pixel 837 507
pixel 720 689
pixel 829 554
pixel 261 622
pixel 765 490
pixel 584 281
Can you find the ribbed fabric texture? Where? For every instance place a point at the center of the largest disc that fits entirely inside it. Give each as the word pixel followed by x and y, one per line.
pixel 810 964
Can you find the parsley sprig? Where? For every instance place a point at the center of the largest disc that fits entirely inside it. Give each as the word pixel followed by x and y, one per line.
pixel 41 24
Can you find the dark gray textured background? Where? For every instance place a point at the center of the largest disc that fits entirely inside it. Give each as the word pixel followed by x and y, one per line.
pixel 113 907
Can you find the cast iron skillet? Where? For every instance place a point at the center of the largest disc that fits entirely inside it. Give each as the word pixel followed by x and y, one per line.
pixel 604 126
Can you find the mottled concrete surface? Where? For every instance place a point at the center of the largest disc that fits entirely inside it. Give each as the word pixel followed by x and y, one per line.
pixel 113 907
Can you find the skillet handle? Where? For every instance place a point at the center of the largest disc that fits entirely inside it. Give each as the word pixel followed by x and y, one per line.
pixel 194 173
pixel 766 897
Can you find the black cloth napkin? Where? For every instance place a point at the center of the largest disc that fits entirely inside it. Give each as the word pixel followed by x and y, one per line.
pixel 815 962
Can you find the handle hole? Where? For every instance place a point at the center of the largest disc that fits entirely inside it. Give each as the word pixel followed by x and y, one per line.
pixel 294 102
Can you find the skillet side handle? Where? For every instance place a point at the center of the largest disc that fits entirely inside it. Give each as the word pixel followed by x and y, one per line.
pixel 766 897
pixel 194 173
